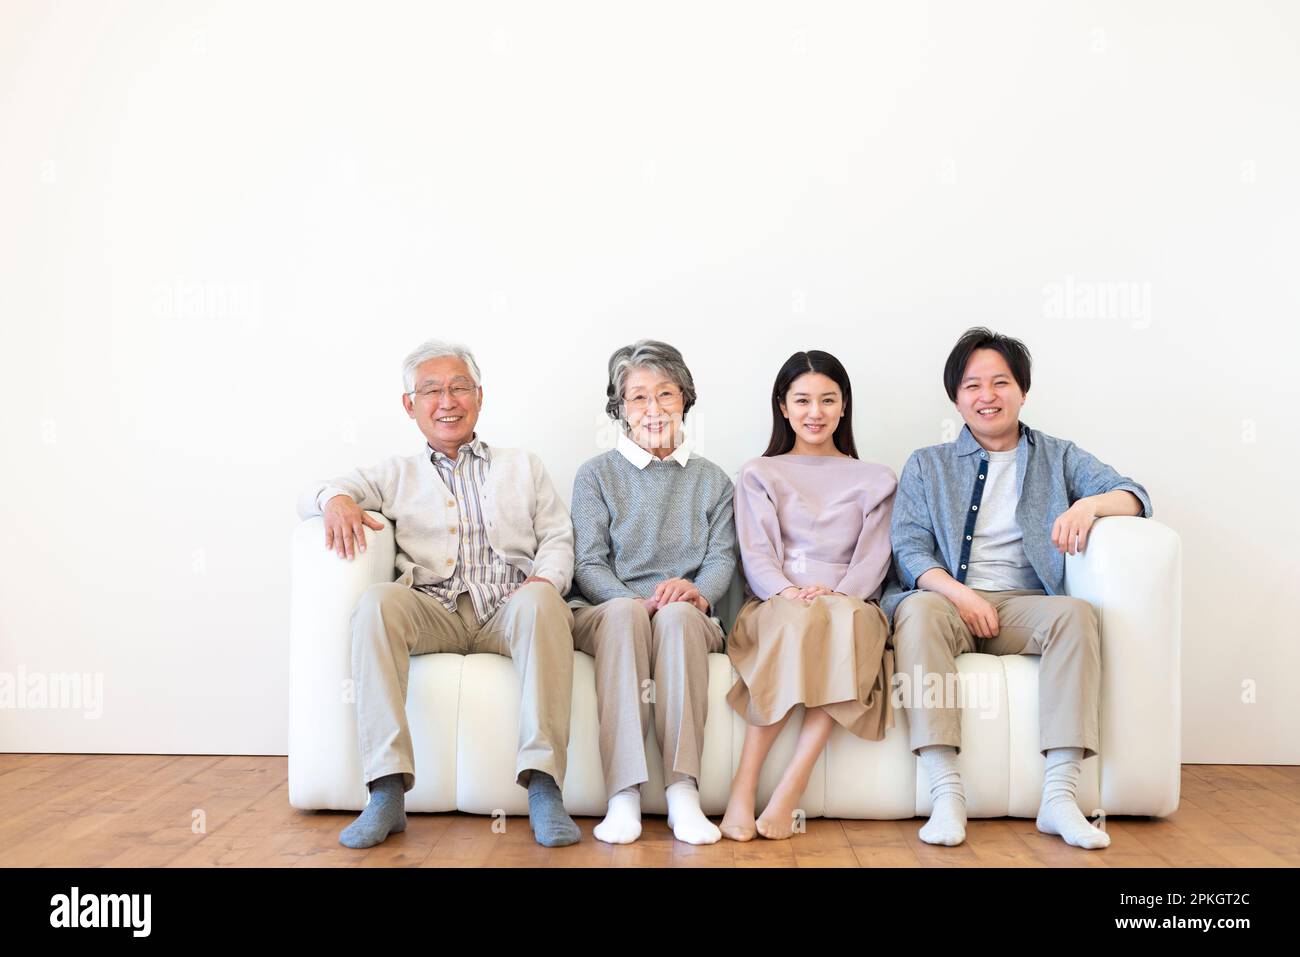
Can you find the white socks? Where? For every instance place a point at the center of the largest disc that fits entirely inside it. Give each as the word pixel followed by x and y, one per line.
pixel 947 824
pixel 1059 812
pixel 688 822
pixel 622 824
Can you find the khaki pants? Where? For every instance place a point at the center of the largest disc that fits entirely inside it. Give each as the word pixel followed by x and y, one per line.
pixel 532 627
pixel 929 634
pixel 631 648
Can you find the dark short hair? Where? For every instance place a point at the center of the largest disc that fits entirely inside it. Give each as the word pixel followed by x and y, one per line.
pixel 978 337
pixel 815 360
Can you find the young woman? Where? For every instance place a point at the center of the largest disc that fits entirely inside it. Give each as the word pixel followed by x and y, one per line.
pixel 813 526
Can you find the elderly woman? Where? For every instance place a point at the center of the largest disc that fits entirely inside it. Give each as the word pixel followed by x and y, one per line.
pixel 655 551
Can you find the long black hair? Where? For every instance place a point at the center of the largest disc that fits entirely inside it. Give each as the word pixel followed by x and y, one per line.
pixel 802 362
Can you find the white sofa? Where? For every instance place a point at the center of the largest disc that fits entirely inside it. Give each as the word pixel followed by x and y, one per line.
pixel 464 710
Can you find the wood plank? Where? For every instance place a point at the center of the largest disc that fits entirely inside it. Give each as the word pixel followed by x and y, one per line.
pixel 1053 851
pixel 1171 844
pixel 1271 778
pixel 214 810
pixel 823 844
pixel 932 855
pixel 997 844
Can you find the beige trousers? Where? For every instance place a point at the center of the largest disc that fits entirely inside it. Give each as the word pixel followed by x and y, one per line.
pixel 642 660
pixel 532 627
pixel 929 634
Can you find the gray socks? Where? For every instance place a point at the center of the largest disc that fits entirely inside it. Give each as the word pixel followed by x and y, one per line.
pixel 552 826
pixel 384 815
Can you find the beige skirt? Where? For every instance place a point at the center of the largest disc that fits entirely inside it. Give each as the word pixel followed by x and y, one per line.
pixel 831 654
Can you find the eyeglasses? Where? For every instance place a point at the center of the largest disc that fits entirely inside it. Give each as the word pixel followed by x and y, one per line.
pixel 457 392
pixel 665 399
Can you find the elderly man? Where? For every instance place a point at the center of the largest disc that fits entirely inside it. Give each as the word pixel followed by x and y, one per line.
pixel 485 551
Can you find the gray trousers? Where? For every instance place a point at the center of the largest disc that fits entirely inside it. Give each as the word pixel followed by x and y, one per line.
pixel 642 661
pixel 532 627
pixel 929 634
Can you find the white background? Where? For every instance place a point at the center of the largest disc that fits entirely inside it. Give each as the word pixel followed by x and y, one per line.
pixel 222 226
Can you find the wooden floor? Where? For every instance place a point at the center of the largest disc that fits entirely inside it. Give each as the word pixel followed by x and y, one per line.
pixel 140 811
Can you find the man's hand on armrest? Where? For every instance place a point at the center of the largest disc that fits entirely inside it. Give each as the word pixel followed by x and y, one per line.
pixel 1071 528
pixel 345 526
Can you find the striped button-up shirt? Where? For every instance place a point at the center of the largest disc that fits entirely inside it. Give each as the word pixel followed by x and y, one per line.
pixel 478 570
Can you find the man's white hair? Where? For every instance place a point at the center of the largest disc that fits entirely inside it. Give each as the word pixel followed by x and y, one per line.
pixel 437 349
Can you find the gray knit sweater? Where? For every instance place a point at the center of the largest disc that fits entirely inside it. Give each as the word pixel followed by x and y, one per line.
pixel 635 527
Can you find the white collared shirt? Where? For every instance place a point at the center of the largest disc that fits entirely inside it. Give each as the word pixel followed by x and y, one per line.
pixel 641 457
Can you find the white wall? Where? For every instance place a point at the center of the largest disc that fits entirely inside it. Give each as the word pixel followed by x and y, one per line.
pixel 222 225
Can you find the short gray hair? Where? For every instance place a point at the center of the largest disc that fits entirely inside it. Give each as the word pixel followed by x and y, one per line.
pixel 437 349
pixel 647 354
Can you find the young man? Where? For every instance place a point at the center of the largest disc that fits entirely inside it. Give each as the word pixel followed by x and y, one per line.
pixel 980 530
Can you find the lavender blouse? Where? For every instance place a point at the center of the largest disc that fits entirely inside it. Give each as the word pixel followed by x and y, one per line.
pixel 814 520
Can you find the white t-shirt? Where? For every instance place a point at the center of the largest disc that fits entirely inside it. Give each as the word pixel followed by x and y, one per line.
pixel 997 559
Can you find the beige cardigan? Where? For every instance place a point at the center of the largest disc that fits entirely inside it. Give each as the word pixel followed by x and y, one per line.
pixel 528 524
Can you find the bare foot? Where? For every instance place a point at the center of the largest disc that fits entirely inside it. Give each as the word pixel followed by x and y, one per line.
pixel 777 820
pixel 738 822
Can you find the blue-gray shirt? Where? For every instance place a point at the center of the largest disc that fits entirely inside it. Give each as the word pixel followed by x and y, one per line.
pixel 939 495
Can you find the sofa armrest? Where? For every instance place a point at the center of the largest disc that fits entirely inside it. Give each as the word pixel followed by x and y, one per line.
pixel 324 766
pixel 1131 573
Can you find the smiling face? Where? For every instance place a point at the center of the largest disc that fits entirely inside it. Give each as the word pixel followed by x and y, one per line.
pixel 814 406
pixel 989 400
pixel 446 418
pixel 652 408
